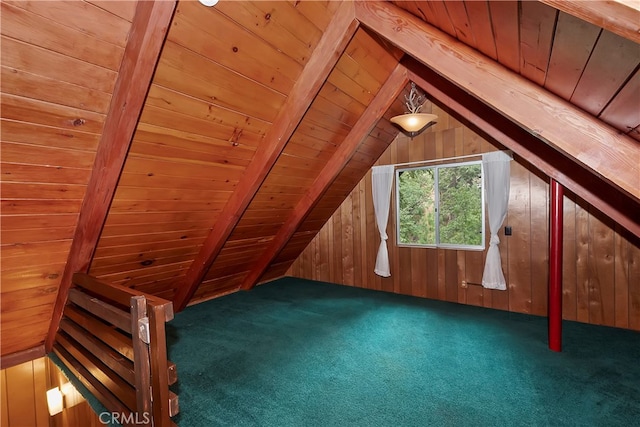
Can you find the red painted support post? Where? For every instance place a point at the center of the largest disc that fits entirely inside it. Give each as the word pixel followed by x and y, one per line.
pixel 555 267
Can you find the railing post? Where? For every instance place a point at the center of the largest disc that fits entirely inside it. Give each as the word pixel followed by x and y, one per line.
pixel 138 308
pixel 555 267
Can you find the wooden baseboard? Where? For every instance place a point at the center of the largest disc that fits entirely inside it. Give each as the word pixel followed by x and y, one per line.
pixel 13 359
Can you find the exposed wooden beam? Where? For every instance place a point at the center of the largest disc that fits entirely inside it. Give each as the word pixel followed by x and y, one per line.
pixel 491 124
pixel 367 121
pixel 322 61
pixel 596 146
pixel 146 37
pixel 13 359
pixel 621 17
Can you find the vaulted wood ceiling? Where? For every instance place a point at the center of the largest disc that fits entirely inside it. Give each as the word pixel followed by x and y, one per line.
pixel 190 152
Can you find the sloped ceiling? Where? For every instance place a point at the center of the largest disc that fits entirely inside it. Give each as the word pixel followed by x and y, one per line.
pixel 190 152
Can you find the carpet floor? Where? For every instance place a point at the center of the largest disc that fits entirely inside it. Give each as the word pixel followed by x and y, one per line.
pixel 301 353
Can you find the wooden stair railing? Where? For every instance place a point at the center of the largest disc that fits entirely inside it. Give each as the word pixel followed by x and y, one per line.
pixel 112 338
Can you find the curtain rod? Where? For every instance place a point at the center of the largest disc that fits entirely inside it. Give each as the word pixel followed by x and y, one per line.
pixel 437 160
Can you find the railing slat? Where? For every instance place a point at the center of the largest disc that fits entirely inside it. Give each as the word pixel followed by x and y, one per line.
pixel 115 316
pixel 116 385
pixel 108 335
pixel 102 393
pixel 114 360
pixel 100 340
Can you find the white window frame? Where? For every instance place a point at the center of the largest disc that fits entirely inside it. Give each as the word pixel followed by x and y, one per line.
pixel 436 167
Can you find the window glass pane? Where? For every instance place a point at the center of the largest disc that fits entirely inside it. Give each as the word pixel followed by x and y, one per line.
pixel 417 207
pixel 460 216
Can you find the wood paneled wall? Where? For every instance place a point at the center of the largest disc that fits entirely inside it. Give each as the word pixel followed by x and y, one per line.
pixel 24 402
pixel 601 261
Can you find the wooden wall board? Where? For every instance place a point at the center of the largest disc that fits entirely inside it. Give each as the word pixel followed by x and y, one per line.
pixel 634 285
pixel 601 266
pixel 595 275
pixel 539 235
pixel 621 278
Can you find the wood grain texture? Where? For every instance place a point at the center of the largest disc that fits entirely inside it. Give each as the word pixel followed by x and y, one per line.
pixel 600 272
pixel 394 84
pixel 620 17
pixel 323 60
pixel 535 151
pixel 141 53
pixel 577 134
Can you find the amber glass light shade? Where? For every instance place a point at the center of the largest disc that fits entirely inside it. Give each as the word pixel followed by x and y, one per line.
pixel 414 123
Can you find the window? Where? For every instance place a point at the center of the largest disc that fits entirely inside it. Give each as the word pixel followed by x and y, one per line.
pixel 441 206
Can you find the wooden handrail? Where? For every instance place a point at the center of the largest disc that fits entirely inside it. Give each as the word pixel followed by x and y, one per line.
pixel 113 339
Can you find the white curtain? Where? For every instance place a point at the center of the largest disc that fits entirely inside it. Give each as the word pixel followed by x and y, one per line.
pixel 497 179
pixel 381 180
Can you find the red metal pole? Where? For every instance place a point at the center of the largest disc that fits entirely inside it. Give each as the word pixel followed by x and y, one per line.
pixel 555 267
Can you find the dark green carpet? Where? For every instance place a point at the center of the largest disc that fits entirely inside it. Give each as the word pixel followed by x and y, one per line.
pixel 302 353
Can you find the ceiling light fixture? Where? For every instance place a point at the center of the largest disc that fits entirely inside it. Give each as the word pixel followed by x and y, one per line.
pixel 413 122
pixel 208 3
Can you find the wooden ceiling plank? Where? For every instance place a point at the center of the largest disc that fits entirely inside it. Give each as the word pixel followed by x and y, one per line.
pixel 319 66
pixel 481 27
pixel 142 51
pixel 537 25
pixel 504 19
pixel 483 119
pixel 385 96
pixel 572 45
pixel 623 111
pixel 612 62
pixel 619 17
pixel 602 150
pixel 461 22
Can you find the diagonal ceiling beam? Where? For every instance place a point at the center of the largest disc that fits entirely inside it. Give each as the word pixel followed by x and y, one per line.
pixel 367 121
pixel 325 56
pixel 491 123
pixel 593 144
pixel 621 17
pixel 146 37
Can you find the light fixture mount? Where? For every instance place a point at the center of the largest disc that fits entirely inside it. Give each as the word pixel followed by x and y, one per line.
pixel 413 122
